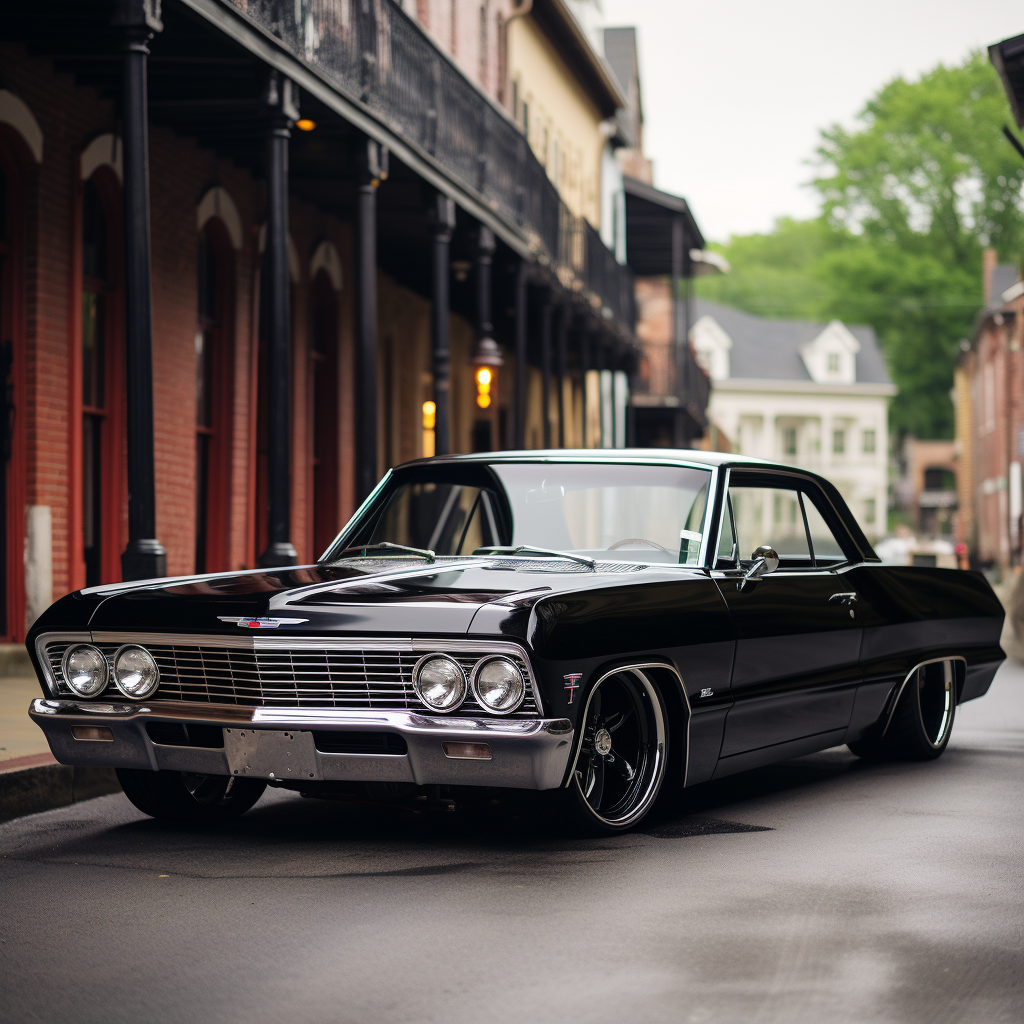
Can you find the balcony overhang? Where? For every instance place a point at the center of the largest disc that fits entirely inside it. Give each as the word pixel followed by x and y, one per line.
pixel 650 216
pixel 273 52
pixel 1008 59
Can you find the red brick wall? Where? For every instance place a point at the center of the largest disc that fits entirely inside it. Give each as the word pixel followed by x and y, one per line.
pixel 181 172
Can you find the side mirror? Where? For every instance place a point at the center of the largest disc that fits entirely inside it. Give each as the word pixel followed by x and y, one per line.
pixel 766 560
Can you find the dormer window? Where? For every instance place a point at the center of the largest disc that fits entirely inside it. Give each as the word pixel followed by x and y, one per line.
pixel 833 364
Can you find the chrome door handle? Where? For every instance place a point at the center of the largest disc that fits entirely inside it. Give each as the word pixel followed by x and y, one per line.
pixel 848 598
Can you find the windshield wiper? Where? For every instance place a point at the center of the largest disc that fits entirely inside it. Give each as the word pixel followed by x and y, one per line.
pixel 386 545
pixel 529 549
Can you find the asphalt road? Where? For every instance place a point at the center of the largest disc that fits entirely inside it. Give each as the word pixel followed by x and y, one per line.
pixel 873 893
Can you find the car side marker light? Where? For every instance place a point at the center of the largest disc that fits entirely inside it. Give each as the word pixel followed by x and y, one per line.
pixel 92 732
pixel 467 751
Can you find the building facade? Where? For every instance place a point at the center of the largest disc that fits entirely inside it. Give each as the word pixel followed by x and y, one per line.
pixel 989 397
pixel 254 253
pixel 809 395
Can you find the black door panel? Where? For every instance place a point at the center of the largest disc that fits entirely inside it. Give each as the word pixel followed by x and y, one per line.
pixel 793 657
pixel 797 654
pixel 781 717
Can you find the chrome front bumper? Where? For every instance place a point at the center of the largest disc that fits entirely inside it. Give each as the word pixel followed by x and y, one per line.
pixel 278 744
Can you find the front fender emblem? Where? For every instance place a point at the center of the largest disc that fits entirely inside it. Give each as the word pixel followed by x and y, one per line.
pixel 259 623
pixel 572 683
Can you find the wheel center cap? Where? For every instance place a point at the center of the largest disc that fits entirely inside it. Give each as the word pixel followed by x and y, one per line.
pixel 603 742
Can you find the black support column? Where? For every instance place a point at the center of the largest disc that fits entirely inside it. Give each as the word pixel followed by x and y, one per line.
pixel 442 223
pixel 522 372
pixel 145 557
pixel 563 370
pixel 280 99
pixel 679 332
pixel 372 164
pixel 546 312
pixel 585 366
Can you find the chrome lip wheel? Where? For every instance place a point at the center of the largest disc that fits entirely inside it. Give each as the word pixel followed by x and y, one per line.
pixel 936 699
pixel 621 760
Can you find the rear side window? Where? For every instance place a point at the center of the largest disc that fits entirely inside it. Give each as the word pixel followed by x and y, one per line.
pixel 827 550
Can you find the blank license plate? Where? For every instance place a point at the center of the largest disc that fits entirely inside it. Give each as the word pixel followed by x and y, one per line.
pixel 268 754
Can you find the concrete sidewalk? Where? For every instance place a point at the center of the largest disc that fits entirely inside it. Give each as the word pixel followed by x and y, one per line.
pixel 30 778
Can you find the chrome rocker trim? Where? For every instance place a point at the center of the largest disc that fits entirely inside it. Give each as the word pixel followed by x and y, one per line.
pixel 525 753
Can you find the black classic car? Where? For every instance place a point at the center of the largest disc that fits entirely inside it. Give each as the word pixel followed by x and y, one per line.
pixel 596 624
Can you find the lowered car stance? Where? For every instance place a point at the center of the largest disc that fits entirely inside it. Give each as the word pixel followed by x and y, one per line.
pixel 601 625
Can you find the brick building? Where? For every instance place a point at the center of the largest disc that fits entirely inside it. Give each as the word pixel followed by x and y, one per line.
pixel 989 395
pixel 347 216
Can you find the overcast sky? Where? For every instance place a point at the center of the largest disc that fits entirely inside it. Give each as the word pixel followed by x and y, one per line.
pixel 734 92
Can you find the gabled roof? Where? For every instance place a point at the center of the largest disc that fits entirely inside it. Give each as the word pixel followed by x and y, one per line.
pixel 770 349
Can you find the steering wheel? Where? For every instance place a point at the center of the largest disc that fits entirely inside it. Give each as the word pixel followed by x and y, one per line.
pixel 639 540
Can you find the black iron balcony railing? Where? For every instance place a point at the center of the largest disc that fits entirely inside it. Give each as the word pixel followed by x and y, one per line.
pixel 671 376
pixel 373 52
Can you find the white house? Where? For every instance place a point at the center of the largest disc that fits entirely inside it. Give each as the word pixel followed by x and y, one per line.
pixel 810 395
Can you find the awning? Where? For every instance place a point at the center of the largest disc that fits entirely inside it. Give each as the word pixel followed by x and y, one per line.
pixel 650 215
pixel 1008 59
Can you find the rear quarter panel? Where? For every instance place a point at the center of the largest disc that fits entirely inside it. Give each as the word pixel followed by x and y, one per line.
pixel 914 613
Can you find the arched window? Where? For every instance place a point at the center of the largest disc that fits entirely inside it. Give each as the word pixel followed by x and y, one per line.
pixel 101 356
pixel 323 392
pixel 215 301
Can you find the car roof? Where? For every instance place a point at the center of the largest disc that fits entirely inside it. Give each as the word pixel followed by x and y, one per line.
pixel 670 457
pixel 690 456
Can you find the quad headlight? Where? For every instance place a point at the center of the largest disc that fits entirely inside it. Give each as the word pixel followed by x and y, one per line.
pixel 85 670
pixel 499 685
pixel 439 682
pixel 135 672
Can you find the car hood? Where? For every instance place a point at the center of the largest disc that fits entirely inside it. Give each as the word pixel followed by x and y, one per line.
pixel 360 596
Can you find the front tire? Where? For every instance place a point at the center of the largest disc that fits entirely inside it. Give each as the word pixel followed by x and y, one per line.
pixel 621 762
pixel 921 724
pixel 187 796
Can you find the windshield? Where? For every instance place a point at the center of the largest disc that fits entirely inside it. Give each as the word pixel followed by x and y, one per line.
pixel 611 512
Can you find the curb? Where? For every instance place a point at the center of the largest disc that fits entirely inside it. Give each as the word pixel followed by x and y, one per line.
pixel 31 790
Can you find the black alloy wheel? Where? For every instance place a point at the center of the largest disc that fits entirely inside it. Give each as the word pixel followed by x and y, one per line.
pixel 922 721
pixel 623 753
pixel 189 796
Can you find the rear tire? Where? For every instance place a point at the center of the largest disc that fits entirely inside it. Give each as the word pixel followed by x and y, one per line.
pixel 921 724
pixel 621 762
pixel 189 797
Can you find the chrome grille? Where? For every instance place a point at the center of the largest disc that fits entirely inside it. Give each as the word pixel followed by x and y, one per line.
pixel 252 672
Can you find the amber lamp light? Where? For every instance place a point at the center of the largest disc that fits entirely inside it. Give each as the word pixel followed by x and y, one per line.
pixel 484 376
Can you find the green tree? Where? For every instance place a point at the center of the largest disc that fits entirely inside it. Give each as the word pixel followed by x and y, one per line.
pixel 910 197
pixel 773 275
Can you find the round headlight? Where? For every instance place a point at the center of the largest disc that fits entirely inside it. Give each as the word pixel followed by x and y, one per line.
pixel 85 670
pixel 499 686
pixel 135 672
pixel 439 682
